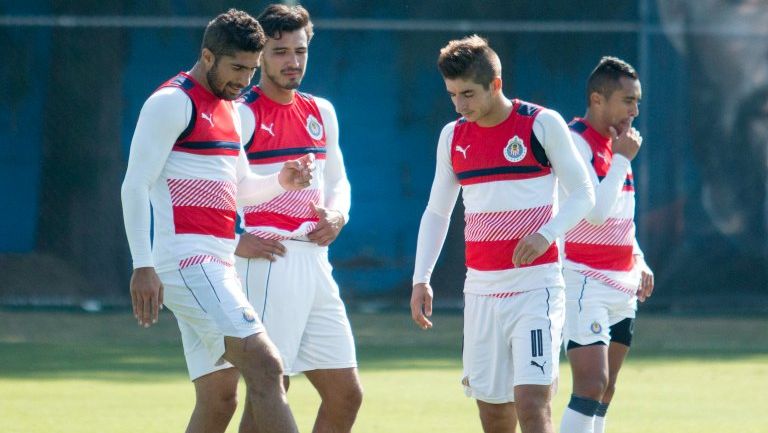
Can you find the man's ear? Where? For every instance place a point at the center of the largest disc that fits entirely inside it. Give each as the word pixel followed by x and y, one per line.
pixel 496 84
pixel 208 58
pixel 672 14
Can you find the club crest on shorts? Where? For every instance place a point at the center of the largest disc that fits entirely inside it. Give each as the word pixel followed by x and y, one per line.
pixel 596 327
pixel 248 315
pixel 515 150
pixel 314 128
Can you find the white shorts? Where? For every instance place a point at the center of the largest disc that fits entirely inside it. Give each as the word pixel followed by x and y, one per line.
pixel 511 341
pixel 592 307
pixel 209 305
pixel 299 304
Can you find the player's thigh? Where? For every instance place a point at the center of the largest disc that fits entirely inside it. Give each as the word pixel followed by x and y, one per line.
pixel 486 354
pixel 208 301
pixel 327 342
pixel 587 319
pixel 533 324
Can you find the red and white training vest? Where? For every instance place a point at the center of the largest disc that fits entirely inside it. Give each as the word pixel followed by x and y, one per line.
pixel 194 199
pixel 607 247
pixel 284 132
pixel 508 192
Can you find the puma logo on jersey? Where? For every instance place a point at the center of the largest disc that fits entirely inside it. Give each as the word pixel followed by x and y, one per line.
pixel 208 117
pixel 268 128
pixel 536 364
pixel 463 150
pixel 602 156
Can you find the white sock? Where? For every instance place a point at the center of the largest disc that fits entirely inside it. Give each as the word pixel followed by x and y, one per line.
pixel 599 424
pixel 575 422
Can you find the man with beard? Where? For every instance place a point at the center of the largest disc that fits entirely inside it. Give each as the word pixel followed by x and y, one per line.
pixel 282 256
pixel 604 270
pixel 187 161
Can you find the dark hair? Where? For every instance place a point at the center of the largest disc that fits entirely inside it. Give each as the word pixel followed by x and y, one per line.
pixel 279 18
pixel 233 31
pixel 469 58
pixel 604 79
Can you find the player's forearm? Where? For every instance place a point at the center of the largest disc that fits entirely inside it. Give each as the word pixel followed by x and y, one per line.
pixel 608 190
pixel 432 233
pixel 136 218
pixel 253 189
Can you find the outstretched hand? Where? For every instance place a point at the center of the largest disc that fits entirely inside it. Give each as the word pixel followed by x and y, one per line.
pixel 297 174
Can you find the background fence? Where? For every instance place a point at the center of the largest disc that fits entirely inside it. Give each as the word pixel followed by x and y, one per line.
pixel 76 73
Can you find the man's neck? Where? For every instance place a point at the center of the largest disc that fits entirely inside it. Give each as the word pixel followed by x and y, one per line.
pixel 275 92
pixel 499 113
pixel 199 75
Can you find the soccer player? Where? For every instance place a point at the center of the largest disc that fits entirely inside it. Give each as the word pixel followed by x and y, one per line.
pixel 283 253
pixel 187 160
pixel 507 157
pixel 604 270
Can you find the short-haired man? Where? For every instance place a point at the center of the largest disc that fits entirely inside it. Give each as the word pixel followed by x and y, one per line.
pixel 507 157
pixel 187 160
pixel 604 270
pixel 282 257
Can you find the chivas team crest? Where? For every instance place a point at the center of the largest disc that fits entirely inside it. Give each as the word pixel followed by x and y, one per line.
pixel 515 150
pixel 314 128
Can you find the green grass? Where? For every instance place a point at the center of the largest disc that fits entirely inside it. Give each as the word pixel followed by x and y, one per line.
pixel 70 372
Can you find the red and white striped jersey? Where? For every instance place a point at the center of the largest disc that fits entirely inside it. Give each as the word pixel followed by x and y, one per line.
pixel 603 244
pixel 507 176
pixel 187 160
pixel 280 132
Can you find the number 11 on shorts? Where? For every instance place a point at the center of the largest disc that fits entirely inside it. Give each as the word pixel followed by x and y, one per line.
pixel 537 343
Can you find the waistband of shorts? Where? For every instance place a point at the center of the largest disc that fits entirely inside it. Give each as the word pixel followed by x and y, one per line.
pixel 304 244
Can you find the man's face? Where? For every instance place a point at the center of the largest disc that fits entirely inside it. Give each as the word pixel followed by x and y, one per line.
pixel 284 60
pixel 229 75
pixel 622 106
pixel 469 98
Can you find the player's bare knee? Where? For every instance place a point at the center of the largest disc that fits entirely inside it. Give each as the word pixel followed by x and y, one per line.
pixel 347 399
pixel 261 360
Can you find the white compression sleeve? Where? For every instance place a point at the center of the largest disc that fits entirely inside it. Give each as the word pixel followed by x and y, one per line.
pixel 338 192
pixel 436 218
pixel 164 116
pixel 555 138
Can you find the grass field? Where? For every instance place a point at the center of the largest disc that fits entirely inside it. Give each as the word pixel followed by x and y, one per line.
pixel 81 373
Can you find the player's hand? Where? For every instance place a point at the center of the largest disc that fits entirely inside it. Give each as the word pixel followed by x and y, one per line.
pixel 146 295
pixel 529 249
pixel 328 226
pixel 254 247
pixel 645 290
pixel 297 174
pixel 626 143
pixel 421 304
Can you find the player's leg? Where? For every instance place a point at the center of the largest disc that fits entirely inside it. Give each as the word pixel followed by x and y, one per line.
pixel 533 321
pixel 497 417
pixel 487 362
pixel 621 340
pixel 258 361
pixel 341 396
pixel 215 385
pixel 327 351
pixel 586 333
pixel 215 401
pixel 230 331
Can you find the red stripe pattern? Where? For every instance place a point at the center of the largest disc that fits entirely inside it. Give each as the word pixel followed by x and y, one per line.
pixel 212 194
pixel 504 295
pixel 614 231
pixel 203 207
pixel 505 225
pixel 198 260
pixel 291 203
pixel 491 237
pixel 609 281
